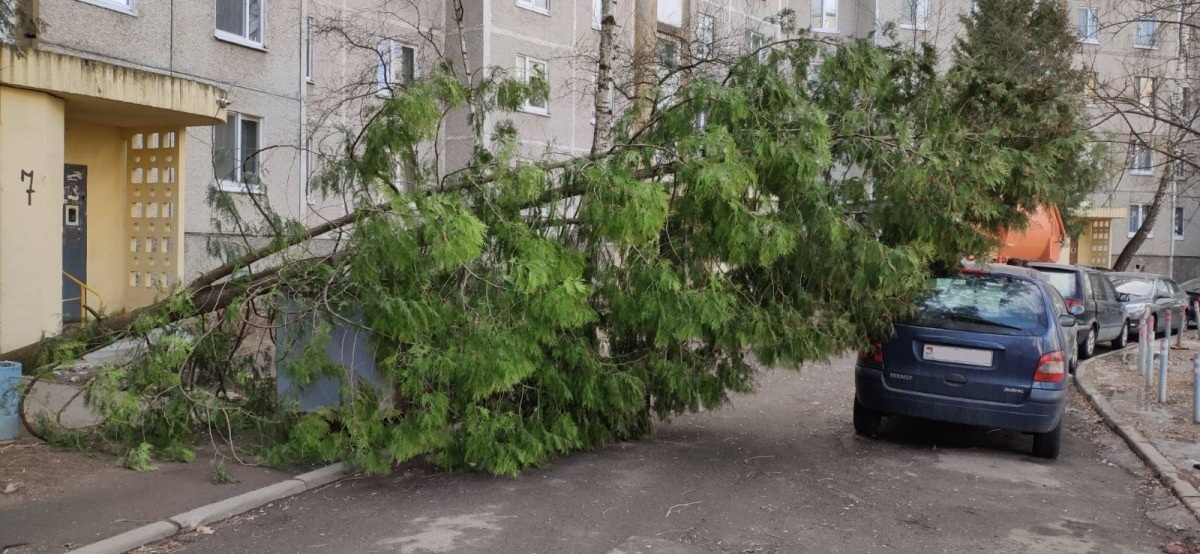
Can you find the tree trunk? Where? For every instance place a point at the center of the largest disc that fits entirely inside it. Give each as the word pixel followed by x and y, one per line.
pixel 602 103
pixel 1143 232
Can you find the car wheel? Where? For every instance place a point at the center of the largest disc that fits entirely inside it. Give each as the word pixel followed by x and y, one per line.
pixel 866 420
pixel 1088 348
pixel 1047 445
pixel 1122 339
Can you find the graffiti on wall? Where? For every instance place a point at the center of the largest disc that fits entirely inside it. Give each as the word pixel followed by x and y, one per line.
pixel 29 191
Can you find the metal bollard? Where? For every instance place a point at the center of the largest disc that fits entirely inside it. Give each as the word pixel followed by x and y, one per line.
pixel 1141 348
pixel 1196 388
pixel 1163 363
pixel 1182 326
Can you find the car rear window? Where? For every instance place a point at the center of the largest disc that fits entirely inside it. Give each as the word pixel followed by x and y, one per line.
pixel 983 303
pixel 1134 286
pixel 1064 281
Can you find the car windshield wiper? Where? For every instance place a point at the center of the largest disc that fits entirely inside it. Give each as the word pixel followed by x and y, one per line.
pixel 980 320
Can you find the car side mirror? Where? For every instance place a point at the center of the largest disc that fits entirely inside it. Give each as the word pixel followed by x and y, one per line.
pixel 1066 320
pixel 1076 310
pixel 1123 297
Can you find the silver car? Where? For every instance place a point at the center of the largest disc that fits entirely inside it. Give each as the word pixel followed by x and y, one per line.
pixel 1159 293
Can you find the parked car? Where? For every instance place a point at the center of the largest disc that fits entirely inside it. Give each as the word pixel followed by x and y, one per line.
pixel 1148 290
pixel 992 346
pixel 1192 288
pixel 1103 318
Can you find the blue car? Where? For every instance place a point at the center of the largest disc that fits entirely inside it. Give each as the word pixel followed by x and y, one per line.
pixel 992 346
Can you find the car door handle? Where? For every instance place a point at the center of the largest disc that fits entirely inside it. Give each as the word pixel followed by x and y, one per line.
pixel 956 379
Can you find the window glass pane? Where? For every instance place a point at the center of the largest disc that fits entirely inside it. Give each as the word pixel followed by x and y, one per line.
pixel 254 28
pixel 408 65
pixel 231 16
pixel 1135 218
pixel 249 151
pixel 987 303
pixel 223 155
pixel 1178 221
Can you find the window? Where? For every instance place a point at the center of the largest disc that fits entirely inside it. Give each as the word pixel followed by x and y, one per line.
pixel 1137 214
pixel 1178 231
pixel 1089 25
pixel 1144 88
pixel 1141 159
pixel 667 53
pixel 824 15
pixel 1186 103
pixel 542 6
pixel 240 21
pixel 1090 89
pixel 397 66
pixel 529 68
pixel 1145 31
pixel 915 13
pixel 235 154
pixel 308 49
pixel 597 11
pixel 1181 169
pixel 754 45
pixel 123 6
pixel 706 37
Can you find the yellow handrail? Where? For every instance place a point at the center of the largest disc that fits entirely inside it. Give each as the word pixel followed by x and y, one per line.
pixel 84 290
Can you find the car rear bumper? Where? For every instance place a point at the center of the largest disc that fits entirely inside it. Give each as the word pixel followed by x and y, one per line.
pixel 1038 414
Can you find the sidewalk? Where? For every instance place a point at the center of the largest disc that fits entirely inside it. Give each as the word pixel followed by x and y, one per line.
pixel 56 500
pixel 1162 434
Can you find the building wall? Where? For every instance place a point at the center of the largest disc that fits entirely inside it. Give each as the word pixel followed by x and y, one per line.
pixel 178 37
pixel 31 140
pixel 102 149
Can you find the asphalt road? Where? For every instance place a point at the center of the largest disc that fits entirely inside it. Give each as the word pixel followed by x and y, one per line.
pixel 778 471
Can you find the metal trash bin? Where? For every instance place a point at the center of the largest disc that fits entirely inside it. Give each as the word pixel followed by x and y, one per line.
pixel 10 400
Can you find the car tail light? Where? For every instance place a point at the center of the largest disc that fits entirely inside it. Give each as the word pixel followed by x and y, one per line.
pixel 1052 368
pixel 1071 302
pixel 872 356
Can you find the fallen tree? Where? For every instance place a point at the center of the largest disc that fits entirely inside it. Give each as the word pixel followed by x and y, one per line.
pixel 749 215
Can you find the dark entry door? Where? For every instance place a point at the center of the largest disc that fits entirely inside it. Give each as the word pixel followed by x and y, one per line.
pixel 74 250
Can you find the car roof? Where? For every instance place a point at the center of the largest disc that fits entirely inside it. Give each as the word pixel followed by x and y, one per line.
pixel 1064 267
pixel 1138 274
pixel 1004 269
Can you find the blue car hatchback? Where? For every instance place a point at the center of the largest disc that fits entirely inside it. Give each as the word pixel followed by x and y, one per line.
pixel 992 346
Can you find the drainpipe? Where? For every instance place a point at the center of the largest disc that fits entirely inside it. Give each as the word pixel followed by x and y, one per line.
pixel 302 79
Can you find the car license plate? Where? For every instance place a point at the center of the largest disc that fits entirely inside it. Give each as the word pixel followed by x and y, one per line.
pixel 965 356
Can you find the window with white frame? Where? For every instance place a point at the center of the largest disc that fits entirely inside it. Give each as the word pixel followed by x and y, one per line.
pixel 308 49
pixel 542 6
pixel 1090 89
pixel 1088 20
pixel 1144 88
pixel 1137 214
pixel 914 14
pixel 236 145
pixel 754 45
pixel 241 21
pixel 1178 230
pixel 397 66
pixel 1185 103
pixel 1141 159
pixel 529 69
pixel 1145 31
pixel 1181 168
pixel 706 37
pixel 125 6
pixel 824 15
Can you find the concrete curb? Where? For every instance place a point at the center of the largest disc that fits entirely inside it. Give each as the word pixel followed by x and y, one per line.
pixel 1166 471
pixel 217 511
